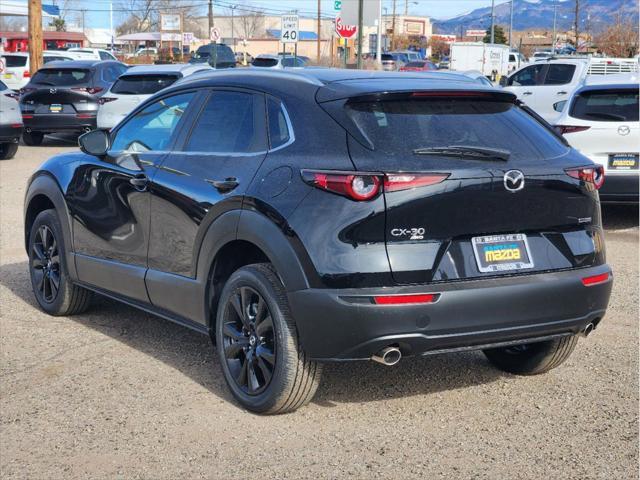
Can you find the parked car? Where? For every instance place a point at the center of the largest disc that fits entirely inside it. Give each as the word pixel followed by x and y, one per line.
pixel 243 58
pixel 444 63
pixel 63 96
pixel 478 77
pixel 136 85
pixel 96 53
pixel 600 120
pixel 388 62
pixel 10 124
pixel 408 55
pixel 419 66
pixel 146 52
pixel 16 72
pixel 541 55
pixel 545 83
pixel 306 215
pixel 516 60
pixel 277 61
pixel 401 59
pixel 218 55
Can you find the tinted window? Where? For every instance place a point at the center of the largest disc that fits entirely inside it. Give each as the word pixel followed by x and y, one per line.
pixel 111 73
pixel 105 56
pixel 607 105
pixel 142 84
pixel 230 123
pixel 3 86
pixel 48 59
pixel 264 62
pixel 292 62
pixel 416 64
pixel 278 128
pixel 528 76
pixel 399 127
pixel 559 74
pixel 62 76
pixel 153 127
pixel 13 61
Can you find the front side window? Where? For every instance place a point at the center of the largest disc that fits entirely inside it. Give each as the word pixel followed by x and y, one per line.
pixel 231 122
pixel 152 128
pixel 532 75
pixel 559 74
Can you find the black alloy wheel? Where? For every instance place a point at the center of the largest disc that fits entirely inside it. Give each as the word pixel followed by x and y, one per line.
pixel 248 340
pixel 45 264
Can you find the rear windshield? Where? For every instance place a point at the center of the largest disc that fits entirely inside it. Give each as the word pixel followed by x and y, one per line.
pixel 142 84
pixel 12 61
pixel 264 62
pixel 607 105
pixel 223 53
pixel 398 127
pixel 416 64
pixel 62 77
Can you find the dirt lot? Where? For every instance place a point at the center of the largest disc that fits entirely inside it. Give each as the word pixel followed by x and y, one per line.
pixel 116 393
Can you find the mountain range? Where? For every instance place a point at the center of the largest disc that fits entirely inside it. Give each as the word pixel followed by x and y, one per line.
pixel 594 15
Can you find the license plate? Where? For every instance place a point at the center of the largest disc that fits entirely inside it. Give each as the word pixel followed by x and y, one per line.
pixel 56 108
pixel 501 253
pixel 7 75
pixel 623 161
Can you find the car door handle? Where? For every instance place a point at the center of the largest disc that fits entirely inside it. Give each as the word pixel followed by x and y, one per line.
pixel 562 92
pixel 527 93
pixel 139 182
pixel 225 185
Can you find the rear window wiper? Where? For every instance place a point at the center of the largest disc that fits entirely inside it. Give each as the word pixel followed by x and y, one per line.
pixel 466 151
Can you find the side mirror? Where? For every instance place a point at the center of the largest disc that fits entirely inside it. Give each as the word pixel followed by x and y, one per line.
pixel 503 81
pixel 95 142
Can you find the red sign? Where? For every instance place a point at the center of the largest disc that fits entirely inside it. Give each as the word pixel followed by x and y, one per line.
pixel 345 31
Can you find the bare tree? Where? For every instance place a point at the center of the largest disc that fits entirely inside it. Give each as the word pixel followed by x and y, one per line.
pixel 619 39
pixel 250 23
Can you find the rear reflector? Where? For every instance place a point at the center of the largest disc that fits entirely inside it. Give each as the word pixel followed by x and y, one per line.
pixel 595 279
pixel 27 116
pixel 85 115
pixel 16 125
pixel 405 299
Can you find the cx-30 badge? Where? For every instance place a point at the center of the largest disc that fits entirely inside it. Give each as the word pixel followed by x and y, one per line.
pixel 514 180
pixel 624 130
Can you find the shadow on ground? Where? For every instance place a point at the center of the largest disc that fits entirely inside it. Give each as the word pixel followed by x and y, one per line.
pixel 619 217
pixel 192 354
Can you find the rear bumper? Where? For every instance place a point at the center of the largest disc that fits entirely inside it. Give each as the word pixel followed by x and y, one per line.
pixel 10 133
pixel 57 122
pixel 620 188
pixel 334 327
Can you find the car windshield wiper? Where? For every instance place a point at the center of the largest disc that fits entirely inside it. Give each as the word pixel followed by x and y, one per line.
pixel 466 151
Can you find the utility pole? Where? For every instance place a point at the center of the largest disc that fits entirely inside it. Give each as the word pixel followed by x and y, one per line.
pixel 406 8
pixel 576 25
pixel 233 33
pixel 493 18
pixel 210 16
pixel 111 24
pixel 511 24
pixel 393 26
pixel 379 42
pixel 360 27
pixel 83 11
pixel 318 33
pixel 555 14
pixel 35 35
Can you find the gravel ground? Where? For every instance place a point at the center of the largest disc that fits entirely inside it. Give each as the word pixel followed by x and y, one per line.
pixel 116 393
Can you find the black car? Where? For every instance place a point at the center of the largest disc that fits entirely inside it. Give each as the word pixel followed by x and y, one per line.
pixel 218 55
pixel 329 215
pixel 63 96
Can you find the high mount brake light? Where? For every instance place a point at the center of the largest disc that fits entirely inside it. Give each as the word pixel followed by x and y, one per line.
pixel 593 175
pixel 365 186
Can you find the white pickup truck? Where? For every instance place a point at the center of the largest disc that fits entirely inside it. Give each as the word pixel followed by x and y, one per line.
pixel 542 84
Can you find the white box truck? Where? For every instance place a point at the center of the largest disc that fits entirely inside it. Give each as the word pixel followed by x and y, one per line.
pixel 490 59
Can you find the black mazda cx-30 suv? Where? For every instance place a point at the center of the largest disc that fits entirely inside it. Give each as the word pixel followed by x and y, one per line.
pixel 329 215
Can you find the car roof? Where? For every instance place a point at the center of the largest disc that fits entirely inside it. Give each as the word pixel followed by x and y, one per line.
pixel 183 68
pixel 78 63
pixel 333 83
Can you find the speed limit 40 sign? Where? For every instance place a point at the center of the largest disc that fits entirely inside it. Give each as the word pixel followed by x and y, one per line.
pixel 289 30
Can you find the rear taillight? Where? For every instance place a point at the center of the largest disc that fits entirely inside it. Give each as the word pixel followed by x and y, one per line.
pixel 593 175
pixel 26 74
pixel 365 186
pixel 405 299
pixel 91 90
pixel 103 100
pixel 563 129
pixel 595 279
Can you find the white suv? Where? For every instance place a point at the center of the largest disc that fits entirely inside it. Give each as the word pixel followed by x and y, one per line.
pixel 15 73
pixel 601 121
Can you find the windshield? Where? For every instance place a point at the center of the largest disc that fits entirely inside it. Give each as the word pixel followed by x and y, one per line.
pixel 401 127
pixel 13 61
pixel 62 77
pixel 607 105
pixel 143 84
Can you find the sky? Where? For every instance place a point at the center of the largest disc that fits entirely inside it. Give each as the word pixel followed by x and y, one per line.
pixel 97 11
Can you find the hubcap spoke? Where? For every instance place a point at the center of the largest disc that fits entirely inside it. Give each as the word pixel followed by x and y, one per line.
pixel 265 326
pixel 241 379
pixel 260 310
pixel 229 330
pixel 38 251
pixel 55 281
pixel 264 368
pixel 233 350
pixel 264 353
pixel 254 385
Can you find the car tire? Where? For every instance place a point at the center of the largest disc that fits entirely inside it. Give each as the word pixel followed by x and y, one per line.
pixel 53 288
pixel 247 343
pixel 32 139
pixel 532 358
pixel 8 150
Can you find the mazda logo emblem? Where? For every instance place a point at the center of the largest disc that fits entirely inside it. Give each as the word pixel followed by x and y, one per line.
pixel 514 180
pixel 53 90
pixel 624 130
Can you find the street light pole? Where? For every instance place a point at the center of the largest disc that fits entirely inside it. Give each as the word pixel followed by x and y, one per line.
pixel 379 42
pixel 233 36
pixel 360 27
pixel 493 5
pixel 210 16
pixel 511 25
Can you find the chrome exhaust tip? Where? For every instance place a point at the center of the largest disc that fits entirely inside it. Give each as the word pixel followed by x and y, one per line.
pixel 588 329
pixel 388 356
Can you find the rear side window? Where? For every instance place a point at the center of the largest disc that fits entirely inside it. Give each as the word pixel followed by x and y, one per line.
pixel 231 122
pixel 14 61
pixel 264 62
pixel 142 84
pixel 399 127
pixel 61 77
pixel 606 105
pixel 278 127
pixel 559 74
pixel 528 76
